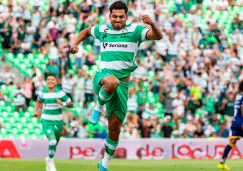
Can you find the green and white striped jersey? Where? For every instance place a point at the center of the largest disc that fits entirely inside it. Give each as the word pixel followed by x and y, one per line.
pixel 52 110
pixel 119 48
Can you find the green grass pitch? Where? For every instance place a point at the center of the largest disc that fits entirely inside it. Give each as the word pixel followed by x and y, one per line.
pixel 119 165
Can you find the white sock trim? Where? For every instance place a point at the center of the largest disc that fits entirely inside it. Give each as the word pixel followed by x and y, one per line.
pixel 110 146
pixel 102 97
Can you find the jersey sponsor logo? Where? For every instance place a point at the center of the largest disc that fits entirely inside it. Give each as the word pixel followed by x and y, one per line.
pixel 90 152
pixel 114 37
pixel 125 37
pixel 104 36
pixel 115 45
pixel 51 105
pixel 149 152
pixel 201 151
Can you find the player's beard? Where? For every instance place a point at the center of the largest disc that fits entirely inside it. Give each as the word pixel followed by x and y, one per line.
pixel 118 26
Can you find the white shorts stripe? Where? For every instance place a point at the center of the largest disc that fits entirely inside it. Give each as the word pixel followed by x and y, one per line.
pixel 116 65
pixel 51 117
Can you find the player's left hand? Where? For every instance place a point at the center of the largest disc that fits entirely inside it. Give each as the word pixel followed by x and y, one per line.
pixel 147 20
pixel 60 102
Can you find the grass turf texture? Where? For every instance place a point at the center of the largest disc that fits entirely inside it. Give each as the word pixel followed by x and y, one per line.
pixel 119 165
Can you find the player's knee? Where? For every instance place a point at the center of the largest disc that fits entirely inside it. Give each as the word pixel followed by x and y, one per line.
pixel 233 141
pixel 114 130
pixel 52 142
pixel 112 84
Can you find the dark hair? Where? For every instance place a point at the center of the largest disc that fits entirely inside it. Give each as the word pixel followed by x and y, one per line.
pixel 241 86
pixel 48 75
pixel 118 5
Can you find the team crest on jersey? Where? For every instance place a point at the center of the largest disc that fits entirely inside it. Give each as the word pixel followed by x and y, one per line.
pixel 124 30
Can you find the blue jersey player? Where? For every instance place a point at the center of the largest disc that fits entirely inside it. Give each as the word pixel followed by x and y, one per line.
pixel 236 127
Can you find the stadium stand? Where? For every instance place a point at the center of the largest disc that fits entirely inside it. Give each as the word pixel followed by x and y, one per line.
pixel 184 85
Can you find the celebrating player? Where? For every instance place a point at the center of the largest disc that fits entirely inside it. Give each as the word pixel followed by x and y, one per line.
pixel 119 45
pixel 51 119
pixel 236 127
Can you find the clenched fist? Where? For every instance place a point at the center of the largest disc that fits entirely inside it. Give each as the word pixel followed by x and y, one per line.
pixel 147 20
pixel 74 49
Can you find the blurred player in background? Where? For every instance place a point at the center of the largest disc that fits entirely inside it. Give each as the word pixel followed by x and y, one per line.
pixel 51 100
pixel 119 46
pixel 236 127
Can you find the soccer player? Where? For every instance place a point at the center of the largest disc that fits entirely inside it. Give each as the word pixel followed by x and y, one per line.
pixel 236 127
pixel 119 46
pixel 52 100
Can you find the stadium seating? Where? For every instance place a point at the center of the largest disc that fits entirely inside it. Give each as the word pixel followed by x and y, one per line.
pixel 23 125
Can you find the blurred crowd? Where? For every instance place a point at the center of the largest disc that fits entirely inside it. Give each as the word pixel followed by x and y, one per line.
pixel 184 85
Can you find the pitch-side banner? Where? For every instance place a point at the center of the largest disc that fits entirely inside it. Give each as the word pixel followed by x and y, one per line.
pixel 127 149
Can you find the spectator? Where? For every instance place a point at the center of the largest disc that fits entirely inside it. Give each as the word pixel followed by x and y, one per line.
pixel 79 87
pixel 52 68
pixel 1 124
pixel 199 133
pixel 227 106
pixel 167 128
pixel 27 87
pixel 68 83
pixel 223 130
pixel 89 92
pixel 19 100
pixel 7 75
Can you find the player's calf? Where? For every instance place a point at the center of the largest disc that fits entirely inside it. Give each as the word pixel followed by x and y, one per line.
pixel 227 150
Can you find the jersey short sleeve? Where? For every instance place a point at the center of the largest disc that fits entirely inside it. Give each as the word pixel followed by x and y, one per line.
pixel 141 33
pixel 64 97
pixel 241 100
pixel 95 32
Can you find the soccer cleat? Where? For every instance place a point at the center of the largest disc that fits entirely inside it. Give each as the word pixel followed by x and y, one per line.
pixel 94 118
pixel 101 167
pixel 50 166
pixel 223 166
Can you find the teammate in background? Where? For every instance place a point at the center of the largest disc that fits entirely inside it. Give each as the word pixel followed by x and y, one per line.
pixel 119 46
pixel 52 100
pixel 236 127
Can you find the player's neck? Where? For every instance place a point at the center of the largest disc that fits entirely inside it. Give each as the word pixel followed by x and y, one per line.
pixel 111 27
pixel 51 89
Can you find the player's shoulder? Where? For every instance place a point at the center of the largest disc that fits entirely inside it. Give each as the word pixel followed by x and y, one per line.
pixel 239 97
pixel 102 27
pixel 136 26
pixel 60 92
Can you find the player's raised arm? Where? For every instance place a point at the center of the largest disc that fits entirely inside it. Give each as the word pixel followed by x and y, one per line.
pixel 81 37
pixel 154 33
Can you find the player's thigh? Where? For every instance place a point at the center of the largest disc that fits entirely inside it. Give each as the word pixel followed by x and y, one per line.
pixel 96 81
pixel 118 103
pixel 49 130
pixel 235 134
pixel 114 123
pixel 58 131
